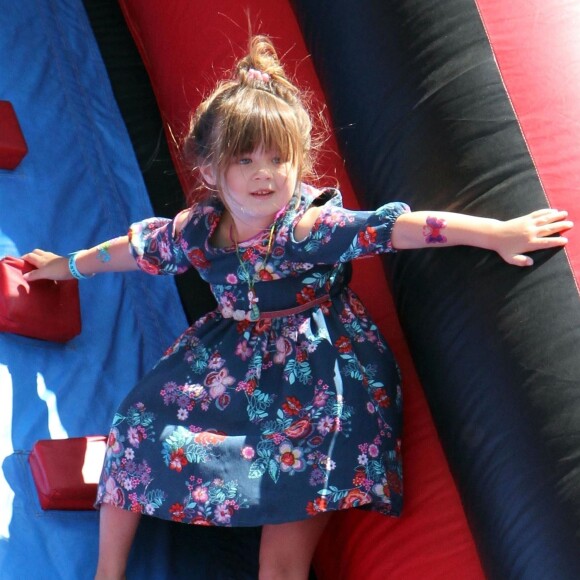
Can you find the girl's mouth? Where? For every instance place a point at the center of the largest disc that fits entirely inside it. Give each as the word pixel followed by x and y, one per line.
pixel 262 192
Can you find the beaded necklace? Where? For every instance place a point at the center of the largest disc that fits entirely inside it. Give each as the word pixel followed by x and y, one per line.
pixel 252 277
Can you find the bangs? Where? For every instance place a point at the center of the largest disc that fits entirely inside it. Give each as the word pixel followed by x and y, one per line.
pixel 259 120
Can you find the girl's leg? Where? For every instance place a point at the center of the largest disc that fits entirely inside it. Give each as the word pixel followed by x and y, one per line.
pixel 286 550
pixel 117 529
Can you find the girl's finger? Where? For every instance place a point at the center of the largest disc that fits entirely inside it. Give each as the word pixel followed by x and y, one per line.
pixel 543 212
pixel 30 258
pixel 521 260
pixel 552 216
pixel 550 242
pixel 555 227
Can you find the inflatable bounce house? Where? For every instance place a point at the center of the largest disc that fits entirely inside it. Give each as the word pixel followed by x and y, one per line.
pixel 460 105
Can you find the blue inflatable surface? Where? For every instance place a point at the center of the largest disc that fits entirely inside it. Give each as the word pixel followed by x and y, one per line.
pixel 78 185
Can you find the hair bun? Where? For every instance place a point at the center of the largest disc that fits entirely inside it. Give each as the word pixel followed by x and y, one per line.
pixel 253 74
pixel 263 59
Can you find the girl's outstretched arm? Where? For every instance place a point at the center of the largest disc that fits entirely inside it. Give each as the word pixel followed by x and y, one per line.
pixel 110 256
pixel 511 239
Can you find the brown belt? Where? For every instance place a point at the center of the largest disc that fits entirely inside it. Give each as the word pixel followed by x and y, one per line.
pixel 296 309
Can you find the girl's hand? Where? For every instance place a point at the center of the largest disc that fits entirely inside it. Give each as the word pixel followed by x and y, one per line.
pixel 49 266
pixel 535 231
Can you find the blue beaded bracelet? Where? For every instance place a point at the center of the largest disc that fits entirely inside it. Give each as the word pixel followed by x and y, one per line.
pixel 72 266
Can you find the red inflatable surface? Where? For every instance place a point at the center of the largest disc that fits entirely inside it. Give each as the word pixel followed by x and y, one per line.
pixel 537 50
pixel 186 45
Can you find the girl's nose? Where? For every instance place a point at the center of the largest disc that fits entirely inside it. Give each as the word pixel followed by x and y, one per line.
pixel 262 171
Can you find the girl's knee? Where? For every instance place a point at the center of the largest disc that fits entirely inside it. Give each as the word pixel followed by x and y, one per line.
pixel 286 549
pixel 283 569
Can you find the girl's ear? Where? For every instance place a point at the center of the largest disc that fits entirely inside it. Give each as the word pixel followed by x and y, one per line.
pixel 208 174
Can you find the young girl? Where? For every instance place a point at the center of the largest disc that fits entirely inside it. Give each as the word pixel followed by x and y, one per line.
pixel 283 404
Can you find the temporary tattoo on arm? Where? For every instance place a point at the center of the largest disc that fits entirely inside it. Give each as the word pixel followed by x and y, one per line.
pixel 432 230
pixel 103 252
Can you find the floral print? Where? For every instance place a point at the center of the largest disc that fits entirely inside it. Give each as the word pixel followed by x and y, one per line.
pixel 246 422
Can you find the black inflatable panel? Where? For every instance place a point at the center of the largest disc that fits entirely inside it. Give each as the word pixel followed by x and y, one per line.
pixel 422 116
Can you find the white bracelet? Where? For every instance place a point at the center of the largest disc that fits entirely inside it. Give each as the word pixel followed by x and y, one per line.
pixel 72 266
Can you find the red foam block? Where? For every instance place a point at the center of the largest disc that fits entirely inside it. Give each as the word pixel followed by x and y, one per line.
pixel 66 471
pixel 12 144
pixel 43 309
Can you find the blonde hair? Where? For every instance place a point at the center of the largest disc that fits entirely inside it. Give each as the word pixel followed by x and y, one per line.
pixel 250 111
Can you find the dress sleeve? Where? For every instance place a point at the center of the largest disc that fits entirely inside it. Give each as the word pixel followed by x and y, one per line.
pixel 159 246
pixel 342 235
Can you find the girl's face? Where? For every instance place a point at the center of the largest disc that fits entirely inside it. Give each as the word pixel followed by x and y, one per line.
pixel 256 186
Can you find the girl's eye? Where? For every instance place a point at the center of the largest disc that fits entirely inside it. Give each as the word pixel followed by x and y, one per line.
pixel 276 160
pixel 244 161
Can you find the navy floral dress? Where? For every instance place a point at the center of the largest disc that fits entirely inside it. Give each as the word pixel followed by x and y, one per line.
pixel 252 419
